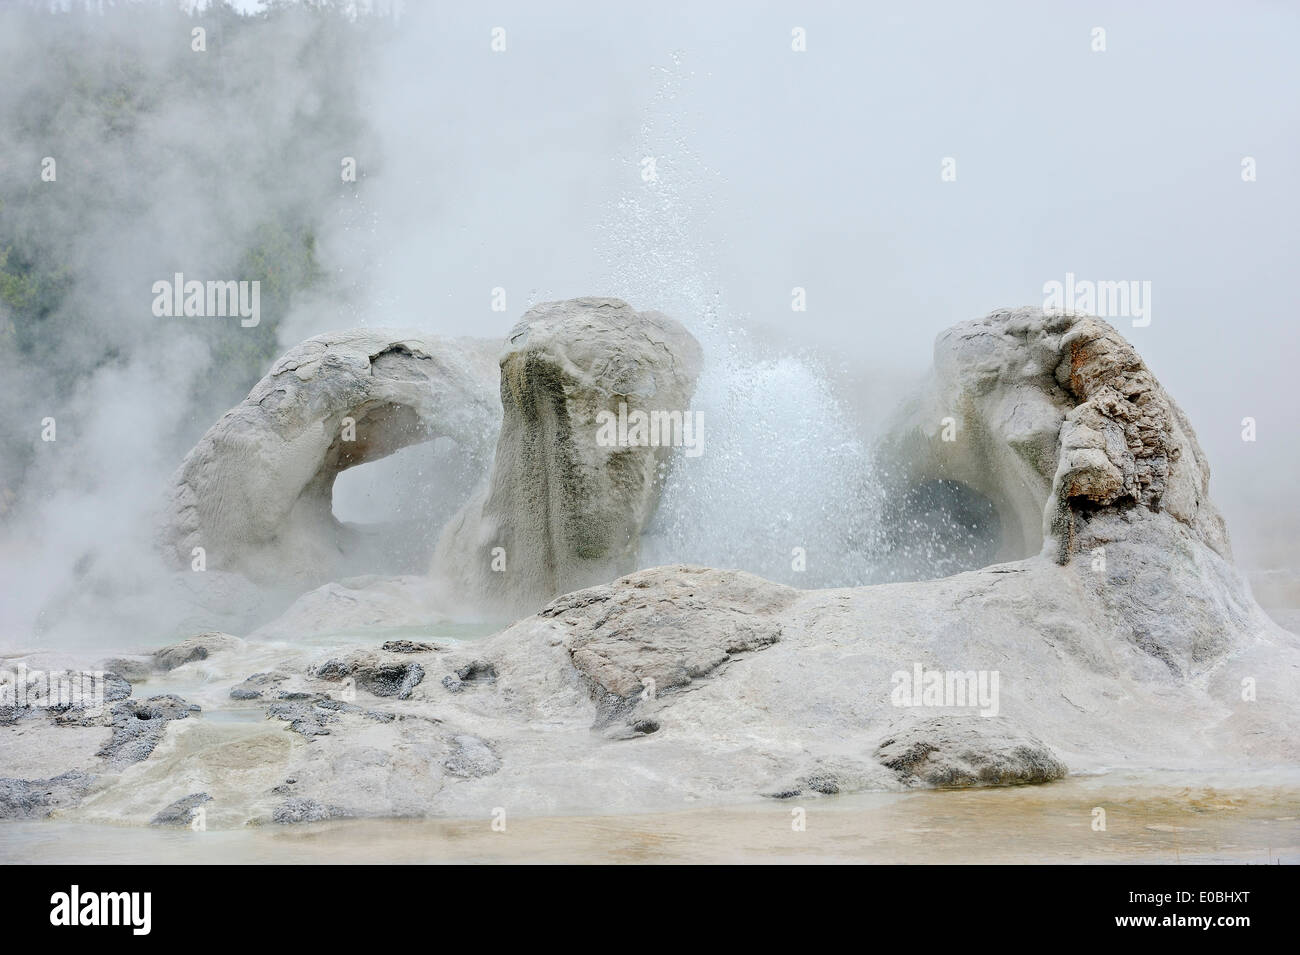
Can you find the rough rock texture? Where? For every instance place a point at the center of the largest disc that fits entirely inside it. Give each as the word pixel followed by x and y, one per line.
pixel 565 722
pixel 471 758
pixel 304 718
pixel 37 798
pixel 473 672
pixel 139 725
pixel 1134 647
pixel 958 753
pixel 258 684
pixel 181 812
pixel 409 646
pixel 566 511
pixel 636 642
pixel 76 702
pixel 306 810
pixel 374 671
pixel 1125 443
pixel 198 647
pixel 1052 417
pixel 256 491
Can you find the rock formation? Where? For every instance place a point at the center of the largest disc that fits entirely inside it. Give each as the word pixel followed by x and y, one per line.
pixel 256 491
pixel 1052 417
pixel 558 510
pixel 562 510
pixel 1123 638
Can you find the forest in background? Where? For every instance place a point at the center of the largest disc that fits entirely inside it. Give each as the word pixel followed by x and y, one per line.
pixel 221 163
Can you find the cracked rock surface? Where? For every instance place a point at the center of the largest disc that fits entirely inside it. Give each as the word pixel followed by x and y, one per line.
pixel 683 686
pixel 256 491
pixel 138 727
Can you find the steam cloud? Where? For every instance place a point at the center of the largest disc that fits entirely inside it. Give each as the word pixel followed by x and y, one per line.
pixel 523 171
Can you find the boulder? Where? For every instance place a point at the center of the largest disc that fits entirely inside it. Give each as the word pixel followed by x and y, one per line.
pixel 965 752
pixel 374 671
pixel 255 686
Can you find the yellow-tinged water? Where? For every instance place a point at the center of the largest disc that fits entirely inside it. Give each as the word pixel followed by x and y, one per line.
pixel 1152 818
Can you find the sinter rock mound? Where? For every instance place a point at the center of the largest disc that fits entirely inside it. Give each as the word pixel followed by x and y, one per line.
pixel 256 492
pixel 560 509
pixel 557 510
pixel 1051 418
pixel 1119 636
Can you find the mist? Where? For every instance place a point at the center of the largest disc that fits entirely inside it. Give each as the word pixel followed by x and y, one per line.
pixel 524 170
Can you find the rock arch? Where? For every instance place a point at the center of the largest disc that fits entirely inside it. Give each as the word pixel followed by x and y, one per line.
pixel 255 492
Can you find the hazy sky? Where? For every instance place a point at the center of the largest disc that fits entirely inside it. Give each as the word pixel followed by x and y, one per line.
pixel 821 169
pixel 523 169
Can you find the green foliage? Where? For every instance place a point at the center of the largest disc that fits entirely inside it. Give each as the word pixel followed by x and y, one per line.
pixel 283 259
pixel 221 164
pixel 28 289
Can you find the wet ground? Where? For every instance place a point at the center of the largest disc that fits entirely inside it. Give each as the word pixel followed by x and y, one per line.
pixel 1152 818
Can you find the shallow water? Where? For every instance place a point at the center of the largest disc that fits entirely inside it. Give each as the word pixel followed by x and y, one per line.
pixel 1160 819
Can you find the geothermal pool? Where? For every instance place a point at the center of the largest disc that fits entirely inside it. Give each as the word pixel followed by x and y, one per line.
pixel 1151 818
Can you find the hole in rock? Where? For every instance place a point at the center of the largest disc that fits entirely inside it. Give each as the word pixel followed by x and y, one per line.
pixel 397 505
